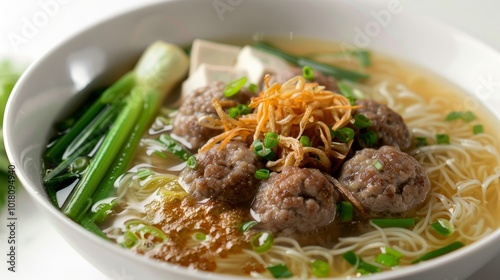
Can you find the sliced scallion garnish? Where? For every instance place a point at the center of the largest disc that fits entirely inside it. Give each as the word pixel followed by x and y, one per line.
pixel 361 266
pixel 247 225
pixel 346 211
pixel 262 174
pixel 468 116
pixel 320 268
pixel 361 121
pixel 368 139
pixel 262 241
pixel 343 134
pixel 421 142
pixel 233 87
pixel 279 271
pixel 143 173
pixel 395 222
pixel 443 227
pixel 387 260
pixel 192 162
pixel 439 252
pixel 442 139
pixel 305 141
pixel 271 140
pixel 308 73
pixel 388 257
pixel 199 236
pixel 477 129
pixel 378 165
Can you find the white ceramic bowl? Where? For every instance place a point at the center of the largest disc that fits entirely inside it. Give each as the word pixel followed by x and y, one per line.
pixel 51 86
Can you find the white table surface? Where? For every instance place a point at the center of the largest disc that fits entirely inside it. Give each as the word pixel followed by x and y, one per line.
pixel 42 253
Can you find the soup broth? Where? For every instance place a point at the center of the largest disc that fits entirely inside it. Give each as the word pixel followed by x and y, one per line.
pixel 208 235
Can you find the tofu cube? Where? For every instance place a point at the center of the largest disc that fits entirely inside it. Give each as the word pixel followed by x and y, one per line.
pixel 206 52
pixel 257 64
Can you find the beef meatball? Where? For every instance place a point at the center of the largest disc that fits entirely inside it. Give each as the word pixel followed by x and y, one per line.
pixel 388 125
pixel 297 199
pixel 281 77
pixel 226 175
pixel 199 104
pixel 386 181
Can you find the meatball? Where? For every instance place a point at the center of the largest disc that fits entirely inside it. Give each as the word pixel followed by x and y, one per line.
pixel 297 199
pixel 328 82
pixel 226 175
pixel 199 104
pixel 385 181
pixel 388 125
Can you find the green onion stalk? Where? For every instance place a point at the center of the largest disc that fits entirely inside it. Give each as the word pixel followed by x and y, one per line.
pixel 140 95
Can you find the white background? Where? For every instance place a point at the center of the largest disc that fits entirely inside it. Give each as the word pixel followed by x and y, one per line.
pixel 42 253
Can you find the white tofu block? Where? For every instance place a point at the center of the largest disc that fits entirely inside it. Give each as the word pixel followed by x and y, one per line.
pixel 257 64
pixel 208 73
pixel 208 52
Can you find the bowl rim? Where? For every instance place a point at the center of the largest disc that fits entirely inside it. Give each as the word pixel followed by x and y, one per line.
pixel 168 267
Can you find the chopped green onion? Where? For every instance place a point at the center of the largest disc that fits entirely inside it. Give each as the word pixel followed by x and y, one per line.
pixel 143 173
pixel 308 73
pixel 253 88
pixel 442 138
pixel 173 147
pixel 389 251
pixel 387 260
pixel 141 229
pixel 346 211
pixel 279 271
pixel 262 174
pixel 80 164
pixel 271 140
pixel 361 121
pixel 368 139
pixel 477 129
pixel 192 162
pixel 361 266
pixel 233 112
pixel 129 240
pixel 262 151
pixel 443 227
pixel 468 116
pixel 347 92
pixel 320 268
pixel 453 116
pixel 233 87
pixel 421 142
pixel 103 210
pixel 378 165
pixel 439 252
pixel 343 134
pixel 395 222
pixel 199 236
pixel 244 109
pixel 247 225
pixel 262 241
pixel 305 141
